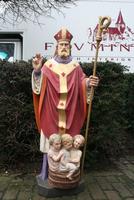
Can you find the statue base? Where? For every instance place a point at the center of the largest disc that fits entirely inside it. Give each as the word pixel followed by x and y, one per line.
pixel 59 179
pixel 46 190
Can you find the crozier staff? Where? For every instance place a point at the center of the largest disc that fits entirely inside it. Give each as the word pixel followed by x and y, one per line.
pixel 104 22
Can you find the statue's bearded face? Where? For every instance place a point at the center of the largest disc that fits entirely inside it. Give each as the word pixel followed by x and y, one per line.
pixel 63 49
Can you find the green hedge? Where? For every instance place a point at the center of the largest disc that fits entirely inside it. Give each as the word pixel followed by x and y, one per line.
pixel 18 140
pixel 112 120
pixel 107 133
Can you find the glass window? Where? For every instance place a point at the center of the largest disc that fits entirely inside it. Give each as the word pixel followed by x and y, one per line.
pixel 7 51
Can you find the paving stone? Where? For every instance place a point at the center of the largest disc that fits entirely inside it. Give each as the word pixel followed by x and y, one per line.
pixel 10 194
pixel 124 192
pixel 26 188
pixel 130 198
pixel 113 195
pixel 68 197
pixel 35 196
pixel 24 195
pixel 27 185
pixel 124 179
pixel 84 196
pixel 35 189
pixel 30 178
pixel 129 173
pixel 14 186
pixel 16 180
pixel 130 167
pixel 1 194
pixel 90 179
pixel 3 186
pixel 104 184
pixel 112 179
pixel 5 178
pixel 107 173
pixel 56 198
pixel 28 182
pixel 96 192
pixel 117 184
pixel 131 190
pixel 129 185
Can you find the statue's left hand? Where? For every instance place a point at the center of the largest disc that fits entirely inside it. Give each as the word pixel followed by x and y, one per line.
pixel 92 81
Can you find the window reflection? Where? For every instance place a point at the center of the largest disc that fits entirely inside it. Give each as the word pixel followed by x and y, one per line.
pixel 7 51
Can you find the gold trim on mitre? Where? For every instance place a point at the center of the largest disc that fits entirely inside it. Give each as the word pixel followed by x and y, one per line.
pixel 63 35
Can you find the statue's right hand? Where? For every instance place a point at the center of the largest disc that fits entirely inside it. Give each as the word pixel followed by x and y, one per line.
pixel 37 62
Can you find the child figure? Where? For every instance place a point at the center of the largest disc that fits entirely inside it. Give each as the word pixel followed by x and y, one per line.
pixel 75 152
pixel 54 153
pixel 65 161
pixel 60 159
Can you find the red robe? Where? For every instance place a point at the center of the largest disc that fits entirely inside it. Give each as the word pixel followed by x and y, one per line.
pixel 61 105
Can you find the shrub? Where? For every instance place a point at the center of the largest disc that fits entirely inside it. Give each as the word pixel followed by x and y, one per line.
pixel 112 118
pixel 107 131
pixel 18 138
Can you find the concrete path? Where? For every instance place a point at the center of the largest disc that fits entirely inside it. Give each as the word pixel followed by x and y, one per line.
pixel 107 184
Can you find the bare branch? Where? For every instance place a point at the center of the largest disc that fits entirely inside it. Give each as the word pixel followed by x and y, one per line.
pixel 25 10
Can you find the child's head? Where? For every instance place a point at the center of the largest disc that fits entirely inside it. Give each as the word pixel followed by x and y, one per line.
pixel 67 141
pixel 78 141
pixel 55 141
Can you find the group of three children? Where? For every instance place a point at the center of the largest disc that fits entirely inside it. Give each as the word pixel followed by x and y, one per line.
pixel 64 154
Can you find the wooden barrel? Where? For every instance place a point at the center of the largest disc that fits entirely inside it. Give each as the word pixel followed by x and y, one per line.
pixel 59 179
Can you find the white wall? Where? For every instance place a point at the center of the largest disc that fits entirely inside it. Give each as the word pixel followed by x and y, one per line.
pixel 78 19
